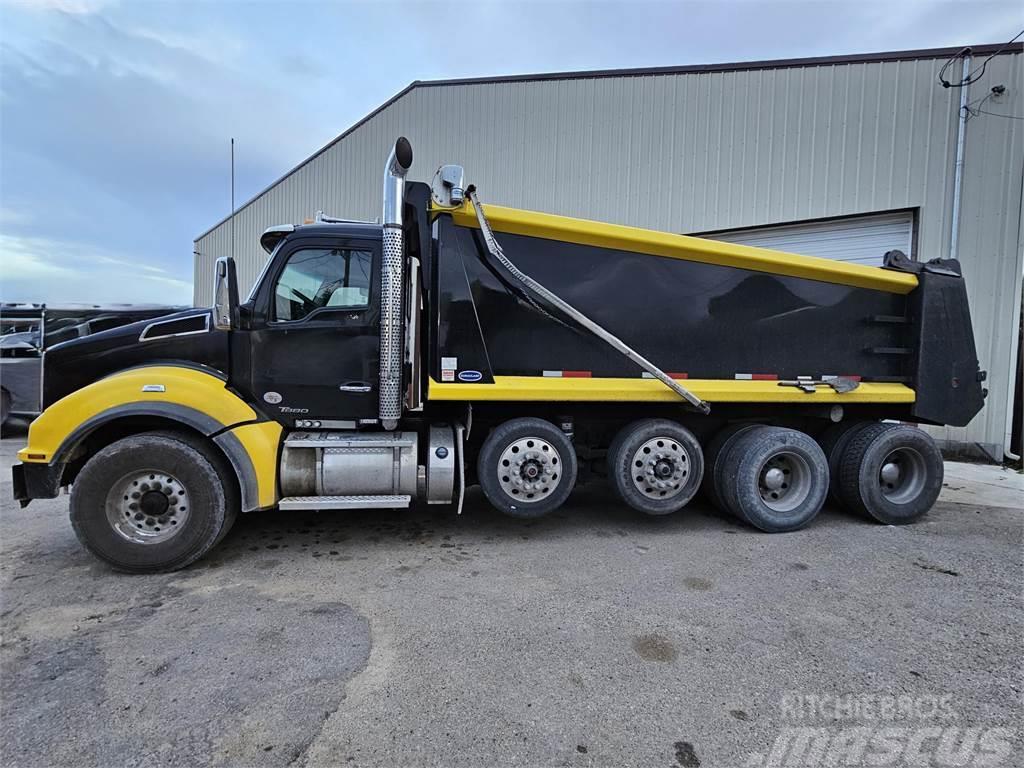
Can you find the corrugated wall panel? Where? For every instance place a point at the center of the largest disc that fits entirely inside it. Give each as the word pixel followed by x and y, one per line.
pixel 861 239
pixel 701 152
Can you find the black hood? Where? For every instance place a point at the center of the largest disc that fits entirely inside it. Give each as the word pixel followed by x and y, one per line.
pixel 182 337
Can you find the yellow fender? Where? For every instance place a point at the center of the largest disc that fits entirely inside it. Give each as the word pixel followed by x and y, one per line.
pixel 196 398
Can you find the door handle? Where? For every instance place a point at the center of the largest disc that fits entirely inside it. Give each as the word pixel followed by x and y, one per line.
pixel 355 386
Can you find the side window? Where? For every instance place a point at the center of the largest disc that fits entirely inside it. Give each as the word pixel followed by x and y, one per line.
pixel 323 277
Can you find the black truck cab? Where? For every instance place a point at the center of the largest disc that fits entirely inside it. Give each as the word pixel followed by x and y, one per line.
pixel 307 339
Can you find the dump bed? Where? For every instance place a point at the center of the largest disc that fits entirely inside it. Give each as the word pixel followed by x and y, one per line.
pixel 731 319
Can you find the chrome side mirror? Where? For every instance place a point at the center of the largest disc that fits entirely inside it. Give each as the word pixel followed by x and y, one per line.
pixel 225 294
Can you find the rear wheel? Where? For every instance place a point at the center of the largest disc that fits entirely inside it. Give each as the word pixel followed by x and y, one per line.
pixel 527 467
pixel 774 478
pixel 716 450
pixel 655 466
pixel 152 502
pixel 891 472
pixel 833 443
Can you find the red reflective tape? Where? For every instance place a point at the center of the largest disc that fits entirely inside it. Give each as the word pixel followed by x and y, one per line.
pixel 679 375
pixel 855 378
pixel 764 376
pixel 576 374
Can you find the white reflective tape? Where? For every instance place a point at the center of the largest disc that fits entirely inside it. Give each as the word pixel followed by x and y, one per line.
pixel 744 375
pixel 553 374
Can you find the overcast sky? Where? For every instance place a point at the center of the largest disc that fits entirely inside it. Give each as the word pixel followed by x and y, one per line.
pixel 115 117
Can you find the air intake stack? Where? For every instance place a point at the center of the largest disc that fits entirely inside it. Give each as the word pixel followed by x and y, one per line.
pixel 392 279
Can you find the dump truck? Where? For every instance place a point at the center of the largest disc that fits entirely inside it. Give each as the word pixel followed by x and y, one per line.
pixel 374 365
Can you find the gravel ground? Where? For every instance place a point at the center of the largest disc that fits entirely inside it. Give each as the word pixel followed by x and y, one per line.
pixel 592 637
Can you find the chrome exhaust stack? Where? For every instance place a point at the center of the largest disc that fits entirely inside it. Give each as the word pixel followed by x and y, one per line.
pixel 392 279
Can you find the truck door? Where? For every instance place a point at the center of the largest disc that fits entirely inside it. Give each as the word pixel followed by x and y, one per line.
pixel 313 351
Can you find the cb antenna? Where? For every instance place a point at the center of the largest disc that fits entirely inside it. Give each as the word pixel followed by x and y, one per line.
pixel 232 197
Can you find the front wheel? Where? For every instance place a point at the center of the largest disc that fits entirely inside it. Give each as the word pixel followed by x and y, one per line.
pixel 527 467
pixel 152 502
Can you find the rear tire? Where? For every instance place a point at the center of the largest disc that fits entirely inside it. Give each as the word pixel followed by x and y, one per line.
pixel 655 466
pixel 716 450
pixel 152 502
pixel 527 467
pixel 833 443
pixel 5 406
pixel 776 479
pixel 891 472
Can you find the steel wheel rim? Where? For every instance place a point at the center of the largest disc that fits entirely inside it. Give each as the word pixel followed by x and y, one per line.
pixel 529 469
pixel 784 481
pixel 659 468
pixel 147 506
pixel 902 475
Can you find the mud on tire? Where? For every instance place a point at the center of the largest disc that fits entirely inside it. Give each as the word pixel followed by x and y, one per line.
pixel 153 502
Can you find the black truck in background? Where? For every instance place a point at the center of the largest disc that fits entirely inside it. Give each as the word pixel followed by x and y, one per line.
pixel 28 330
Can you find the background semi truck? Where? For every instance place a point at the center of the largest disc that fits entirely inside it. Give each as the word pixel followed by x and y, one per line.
pixel 28 330
pixel 373 365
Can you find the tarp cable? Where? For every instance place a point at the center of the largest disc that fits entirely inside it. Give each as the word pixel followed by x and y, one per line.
pixel 609 338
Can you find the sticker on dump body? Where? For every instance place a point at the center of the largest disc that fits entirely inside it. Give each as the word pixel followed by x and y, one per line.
pixel 470 376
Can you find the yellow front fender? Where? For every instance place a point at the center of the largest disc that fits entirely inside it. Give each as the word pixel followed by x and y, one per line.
pixel 195 398
pixel 145 390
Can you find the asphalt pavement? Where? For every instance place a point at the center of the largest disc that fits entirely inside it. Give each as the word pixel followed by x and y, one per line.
pixel 595 636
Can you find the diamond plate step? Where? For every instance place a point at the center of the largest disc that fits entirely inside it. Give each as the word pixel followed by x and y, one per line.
pixel 344 502
pixel 348 440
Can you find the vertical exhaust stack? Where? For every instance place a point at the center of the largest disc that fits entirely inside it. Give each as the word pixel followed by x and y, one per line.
pixel 392 279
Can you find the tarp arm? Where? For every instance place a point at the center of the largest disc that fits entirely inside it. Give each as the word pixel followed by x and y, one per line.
pixel 613 341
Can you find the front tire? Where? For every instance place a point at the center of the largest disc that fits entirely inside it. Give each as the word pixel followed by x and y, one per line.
pixel 152 502
pixel 655 466
pixel 527 467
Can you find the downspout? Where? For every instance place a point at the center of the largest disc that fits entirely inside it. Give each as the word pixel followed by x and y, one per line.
pixel 958 171
pixel 392 278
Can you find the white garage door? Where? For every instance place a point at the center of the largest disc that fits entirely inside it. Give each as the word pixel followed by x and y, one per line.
pixel 862 239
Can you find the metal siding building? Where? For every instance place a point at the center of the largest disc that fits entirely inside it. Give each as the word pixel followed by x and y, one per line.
pixel 710 148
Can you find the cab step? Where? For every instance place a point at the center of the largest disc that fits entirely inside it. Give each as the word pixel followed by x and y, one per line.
pixel 343 439
pixel 344 502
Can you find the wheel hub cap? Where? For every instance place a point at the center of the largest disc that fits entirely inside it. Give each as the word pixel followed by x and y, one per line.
pixel 659 468
pixel 774 478
pixel 153 503
pixel 784 481
pixel 890 473
pixel 529 469
pixel 902 476
pixel 147 506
